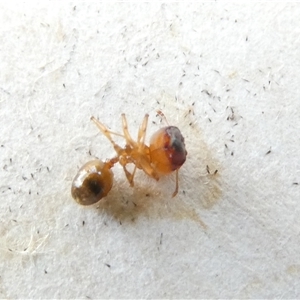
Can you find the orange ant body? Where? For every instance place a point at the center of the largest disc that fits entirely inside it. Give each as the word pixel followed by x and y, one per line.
pixel 165 154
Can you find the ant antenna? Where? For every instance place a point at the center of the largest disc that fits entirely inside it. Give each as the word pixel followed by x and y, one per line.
pixel 161 114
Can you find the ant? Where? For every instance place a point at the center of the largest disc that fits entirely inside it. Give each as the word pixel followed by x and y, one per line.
pixel 165 154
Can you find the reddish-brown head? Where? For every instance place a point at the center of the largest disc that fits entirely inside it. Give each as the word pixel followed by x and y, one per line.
pixel 167 150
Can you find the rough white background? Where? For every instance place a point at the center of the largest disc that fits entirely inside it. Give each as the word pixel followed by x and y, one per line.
pixel 227 74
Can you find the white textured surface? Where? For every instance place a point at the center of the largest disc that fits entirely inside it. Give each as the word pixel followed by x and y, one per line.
pixel 197 63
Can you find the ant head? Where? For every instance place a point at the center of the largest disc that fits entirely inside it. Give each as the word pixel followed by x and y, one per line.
pixel 167 149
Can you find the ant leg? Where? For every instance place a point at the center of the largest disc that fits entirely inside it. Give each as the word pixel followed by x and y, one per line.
pixel 129 175
pixel 123 160
pixel 107 133
pixel 133 173
pixel 144 161
pixel 129 139
pixel 142 131
pixel 176 187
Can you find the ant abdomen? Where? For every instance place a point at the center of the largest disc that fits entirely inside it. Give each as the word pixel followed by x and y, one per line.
pixel 93 181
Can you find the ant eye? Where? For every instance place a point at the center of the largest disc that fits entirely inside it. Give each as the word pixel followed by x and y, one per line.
pixel 93 182
pixel 167 149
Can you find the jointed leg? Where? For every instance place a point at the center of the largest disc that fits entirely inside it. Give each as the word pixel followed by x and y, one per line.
pixel 129 175
pixel 142 131
pixel 128 138
pixel 107 133
pixel 176 187
pixel 120 151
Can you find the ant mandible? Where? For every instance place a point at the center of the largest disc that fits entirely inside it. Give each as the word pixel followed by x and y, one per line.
pixel 165 154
